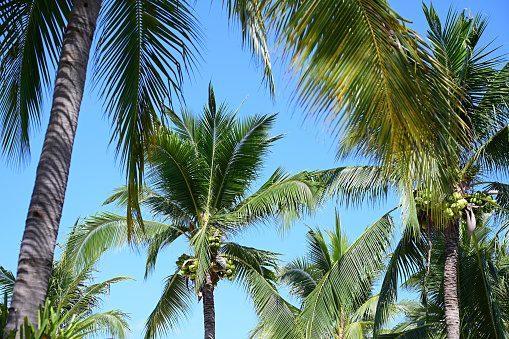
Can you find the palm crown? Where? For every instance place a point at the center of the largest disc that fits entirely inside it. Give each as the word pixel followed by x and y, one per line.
pixel 199 181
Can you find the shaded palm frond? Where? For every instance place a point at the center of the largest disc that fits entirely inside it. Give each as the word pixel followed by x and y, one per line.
pixel 251 16
pixel 369 78
pixel 144 50
pixel 283 197
pixel 110 231
pixel 30 42
pixel 406 259
pixel 353 185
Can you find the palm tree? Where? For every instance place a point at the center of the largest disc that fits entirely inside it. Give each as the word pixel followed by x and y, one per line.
pixel 143 46
pixel 70 310
pixel 333 284
pixel 482 287
pixel 199 180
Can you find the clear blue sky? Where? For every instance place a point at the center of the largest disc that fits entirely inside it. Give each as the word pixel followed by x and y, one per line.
pixel 234 75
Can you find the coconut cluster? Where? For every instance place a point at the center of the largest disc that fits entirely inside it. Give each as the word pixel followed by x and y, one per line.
pixel 214 243
pixel 453 205
pixel 188 266
pixel 230 269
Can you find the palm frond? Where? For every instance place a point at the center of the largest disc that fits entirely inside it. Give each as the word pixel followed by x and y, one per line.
pixel 251 16
pixel 406 258
pixel 30 44
pixel 110 231
pixel 492 155
pixel 256 276
pixel 145 48
pixel 174 305
pixel 348 282
pixel 6 282
pixel 112 323
pixel 370 78
pixel 300 277
pixel 352 185
pixel 283 197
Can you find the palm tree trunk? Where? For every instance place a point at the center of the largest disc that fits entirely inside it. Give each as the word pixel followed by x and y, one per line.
pixel 209 313
pixel 452 310
pixel 41 230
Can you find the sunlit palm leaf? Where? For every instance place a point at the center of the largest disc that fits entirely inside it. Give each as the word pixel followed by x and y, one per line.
pixel 369 77
pixel 172 307
pixel 250 14
pixel 6 282
pixel 353 185
pixel 108 230
pixel 349 280
pixel 255 275
pixel 283 197
pixel 406 258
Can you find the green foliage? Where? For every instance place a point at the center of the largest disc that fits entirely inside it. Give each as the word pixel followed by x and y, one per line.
pixel 69 311
pixel 199 180
pixel 333 282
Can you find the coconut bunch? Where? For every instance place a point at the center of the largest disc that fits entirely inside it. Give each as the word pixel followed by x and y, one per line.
pixel 454 205
pixel 188 266
pixel 214 243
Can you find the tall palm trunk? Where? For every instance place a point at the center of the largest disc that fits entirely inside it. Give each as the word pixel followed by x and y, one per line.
pixel 209 313
pixel 41 230
pixel 452 310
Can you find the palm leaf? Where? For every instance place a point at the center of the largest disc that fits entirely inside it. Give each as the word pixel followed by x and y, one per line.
pixel 250 14
pixel 347 283
pixel 283 197
pixel 353 185
pixel 369 77
pixel 110 231
pixel 6 282
pixel 32 32
pixel 172 307
pixel 144 50
pixel 406 258
pixel 256 276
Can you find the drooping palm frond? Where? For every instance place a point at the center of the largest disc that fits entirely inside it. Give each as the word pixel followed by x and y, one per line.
pixel 256 275
pixel 110 231
pixel 251 17
pixel 369 77
pixel 348 281
pixel 30 43
pixel 144 47
pixel 172 307
pixel 300 277
pixel 406 258
pixel 492 155
pixel 352 185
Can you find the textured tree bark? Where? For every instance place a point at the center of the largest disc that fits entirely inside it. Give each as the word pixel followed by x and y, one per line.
pixel 41 229
pixel 209 313
pixel 452 310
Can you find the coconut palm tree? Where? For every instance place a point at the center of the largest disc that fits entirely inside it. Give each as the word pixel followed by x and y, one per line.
pixel 200 176
pixel 482 286
pixel 71 307
pixel 333 284
pixel 144 47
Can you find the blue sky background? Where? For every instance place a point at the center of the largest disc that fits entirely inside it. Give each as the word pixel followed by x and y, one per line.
pixel 235 77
